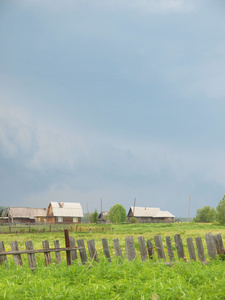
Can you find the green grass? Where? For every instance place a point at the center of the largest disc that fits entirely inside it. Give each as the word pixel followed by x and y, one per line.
pixel 116 280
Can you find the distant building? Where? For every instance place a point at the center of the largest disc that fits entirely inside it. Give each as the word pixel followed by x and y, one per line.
pixel 62 212
pixel 102 217
pixel 21 214
pixel 150 215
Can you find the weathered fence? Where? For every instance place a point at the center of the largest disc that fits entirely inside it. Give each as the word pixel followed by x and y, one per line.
pixel 214 244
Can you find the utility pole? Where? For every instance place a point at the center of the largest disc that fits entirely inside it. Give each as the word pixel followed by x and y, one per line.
pixel 88 214
pixel 101 205
pixel 134 206
pixel 189 208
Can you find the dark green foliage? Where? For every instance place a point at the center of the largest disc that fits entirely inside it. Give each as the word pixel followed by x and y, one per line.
pixel 133 220
pixel 117 214
pixel 94 217
pixel 206 214
pixel 220 216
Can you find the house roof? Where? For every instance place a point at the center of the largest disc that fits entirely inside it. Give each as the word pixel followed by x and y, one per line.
pixel 103 214
pixel 149 212
pixel 66 209
pixel 26 212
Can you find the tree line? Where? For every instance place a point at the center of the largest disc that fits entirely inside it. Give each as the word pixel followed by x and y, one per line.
pixel 209 214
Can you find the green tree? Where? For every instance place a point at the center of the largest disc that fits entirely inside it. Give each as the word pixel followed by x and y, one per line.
pixel 94 217
pixel 220 211
pixel 117 214
pixel 206 214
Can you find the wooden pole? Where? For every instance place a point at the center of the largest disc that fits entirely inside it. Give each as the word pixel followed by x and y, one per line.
pixel 134 206
pixel 67 242
pixel 189 208
pixel 88 214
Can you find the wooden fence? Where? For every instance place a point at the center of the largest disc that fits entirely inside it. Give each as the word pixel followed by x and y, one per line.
pixel 147 249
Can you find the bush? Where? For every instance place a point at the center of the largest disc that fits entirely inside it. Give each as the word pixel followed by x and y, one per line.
pixel 133 220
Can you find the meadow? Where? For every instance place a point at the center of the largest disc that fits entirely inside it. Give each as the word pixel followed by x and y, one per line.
pixel 119 279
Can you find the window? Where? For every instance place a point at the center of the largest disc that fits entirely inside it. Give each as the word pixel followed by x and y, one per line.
pixel 60 219
pixel 75 220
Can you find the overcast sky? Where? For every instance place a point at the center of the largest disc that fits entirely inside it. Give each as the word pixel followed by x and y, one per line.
pixel 112 99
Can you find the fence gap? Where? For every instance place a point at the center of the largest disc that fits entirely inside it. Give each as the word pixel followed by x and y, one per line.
pixel 169 248
pixel 47 255
pixel 179 246
pixel 92 250
pixel 201 254
pixel 150 249
pixel 31 256
pixel 82 251
pixel 57 253
pixel 117 248
pixel 130 249
pixel 191 249
pixel 106 249
pixel 17 257
pixel 210 245
pixel 143 250
pixel 159 247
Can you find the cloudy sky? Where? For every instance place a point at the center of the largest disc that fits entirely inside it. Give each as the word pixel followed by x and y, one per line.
pixel 112 99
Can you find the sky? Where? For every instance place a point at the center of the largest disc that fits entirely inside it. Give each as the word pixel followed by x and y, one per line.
pixel 112 100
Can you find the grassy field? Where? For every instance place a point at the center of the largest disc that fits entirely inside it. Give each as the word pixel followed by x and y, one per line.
pixel 116 280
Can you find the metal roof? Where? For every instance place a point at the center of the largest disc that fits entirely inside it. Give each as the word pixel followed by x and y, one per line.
pixel 163 214
pixel 66 209
pixel 150 212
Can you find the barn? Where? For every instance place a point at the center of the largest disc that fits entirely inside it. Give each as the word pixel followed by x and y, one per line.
pixel 62 212
pixel 23 215
pixel 150 215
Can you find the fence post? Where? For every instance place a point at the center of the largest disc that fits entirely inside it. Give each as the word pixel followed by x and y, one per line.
pixel 150 249
pixel 219 243
pixel 117 248
pixel 143 250
pixel 73 244
pixel 201 254
pixel 16 257
pixel 2 257
pixel 82 251
pixel 57 253
pixel 67 242
pixel 179 246
pixel 106 249
pixel 47 255
pixel 130 250
pixel 169 248
pixel 191 249
pixel 210 245
pixel 92 250
pixel 31 256
pixel 159 247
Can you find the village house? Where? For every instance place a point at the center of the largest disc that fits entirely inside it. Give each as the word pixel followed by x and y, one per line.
pixel 150 215
pixel 102 217
pixel 23 215
pixel 62 212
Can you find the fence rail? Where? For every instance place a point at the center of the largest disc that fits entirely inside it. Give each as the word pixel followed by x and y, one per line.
pixel 148 250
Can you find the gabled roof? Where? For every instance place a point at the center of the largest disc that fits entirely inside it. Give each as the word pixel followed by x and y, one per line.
pixel 26 212
pixel 66 209
pixel 149 212
pixel 103 214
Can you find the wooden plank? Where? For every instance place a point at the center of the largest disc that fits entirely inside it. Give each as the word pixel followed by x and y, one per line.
pixel 179 246
pixel 67 243
pixel 57 253
pixel 36 251
pixel 130 249
pixel 31 256
pixel 159 247
pixel 219 243
pixel 92 251
pixel 106 249
pixel 47 255
pixel 17 257
pixel 73 244
pixel 210 245
pixel 82 251
pixel 201 254
pixel 150 249
pixel 3 257
pixel 169 248
pixel 117 248
pixel 143 249
pixel 191 249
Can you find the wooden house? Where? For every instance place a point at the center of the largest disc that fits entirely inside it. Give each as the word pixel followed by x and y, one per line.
pixel 150 215
pixel 62 212
pixel 102 217
pixel 21 214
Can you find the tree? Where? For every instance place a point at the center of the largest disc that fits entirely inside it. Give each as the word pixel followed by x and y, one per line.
pixel 206 214
pixel 220 211
pixel 117 214
pixel 94 217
